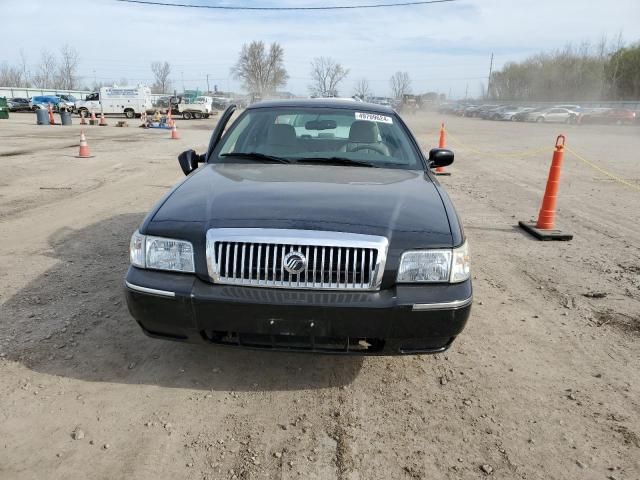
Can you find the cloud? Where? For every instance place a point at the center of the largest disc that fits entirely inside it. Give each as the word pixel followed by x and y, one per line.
pixel 443 47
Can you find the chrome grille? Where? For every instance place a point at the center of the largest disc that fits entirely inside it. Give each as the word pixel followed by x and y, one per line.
pixel 332 260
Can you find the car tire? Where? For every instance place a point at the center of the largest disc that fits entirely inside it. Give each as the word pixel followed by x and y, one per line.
pixel 129 114
pixel 186 115
pixel 197 115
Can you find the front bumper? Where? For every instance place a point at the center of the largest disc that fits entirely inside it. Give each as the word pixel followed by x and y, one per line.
pixel 404 319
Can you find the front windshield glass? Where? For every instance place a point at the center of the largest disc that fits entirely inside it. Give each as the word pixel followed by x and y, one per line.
pixel 308 135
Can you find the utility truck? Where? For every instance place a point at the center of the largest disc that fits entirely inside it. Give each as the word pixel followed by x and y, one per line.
pixel 127 101
pixel 200 107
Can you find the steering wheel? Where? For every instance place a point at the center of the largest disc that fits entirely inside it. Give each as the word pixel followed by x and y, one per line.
pixel 370 146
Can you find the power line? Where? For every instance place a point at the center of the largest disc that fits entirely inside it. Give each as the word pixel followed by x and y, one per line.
pixel 280 9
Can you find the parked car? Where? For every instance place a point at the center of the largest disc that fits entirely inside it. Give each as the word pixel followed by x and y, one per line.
pixel 43 101
pixel 380 101
pixel 18 104
pixel 447 107
pixel 553 115
pixel 310 225
pixel 69 101
pixel 616 116
pixel 498 113
pixel 522 115
pixel 573 108
pixel 487 113
pixel 469 110
pixel 508 113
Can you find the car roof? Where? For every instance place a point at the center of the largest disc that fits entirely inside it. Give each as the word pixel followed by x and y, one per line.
pixel 323 103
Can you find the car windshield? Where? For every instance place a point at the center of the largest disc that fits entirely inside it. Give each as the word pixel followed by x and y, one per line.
pixel 317 135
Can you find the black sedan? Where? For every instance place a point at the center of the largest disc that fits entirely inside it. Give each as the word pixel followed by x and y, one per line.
pixel 311 225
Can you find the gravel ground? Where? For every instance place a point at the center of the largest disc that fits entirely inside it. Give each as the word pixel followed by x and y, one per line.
pixel 543 384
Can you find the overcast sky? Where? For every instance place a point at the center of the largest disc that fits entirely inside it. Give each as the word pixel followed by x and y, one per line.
pixel 444 47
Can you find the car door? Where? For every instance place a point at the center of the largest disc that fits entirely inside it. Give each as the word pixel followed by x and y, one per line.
pixel 555 115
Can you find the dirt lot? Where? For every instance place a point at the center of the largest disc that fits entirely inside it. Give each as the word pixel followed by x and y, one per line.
pixel 543 384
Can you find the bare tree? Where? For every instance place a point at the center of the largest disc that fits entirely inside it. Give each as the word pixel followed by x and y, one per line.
pixel 362 89
pixel 326 75
pixel 123 82
pixel 47 67
pixel 68 68
pixel 10 76
pixel 261 72
pixel 161 72
pixel 24 70
pixel 400 84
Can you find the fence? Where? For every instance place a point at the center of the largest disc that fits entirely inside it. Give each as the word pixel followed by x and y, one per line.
pixel 11 92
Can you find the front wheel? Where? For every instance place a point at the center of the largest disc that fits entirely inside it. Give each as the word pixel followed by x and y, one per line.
pixel 130 114
pixel 186 115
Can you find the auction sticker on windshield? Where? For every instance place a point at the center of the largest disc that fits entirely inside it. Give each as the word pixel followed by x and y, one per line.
pixel 373 117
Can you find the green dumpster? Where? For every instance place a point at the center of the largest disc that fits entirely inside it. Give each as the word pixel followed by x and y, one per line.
pixel 4 109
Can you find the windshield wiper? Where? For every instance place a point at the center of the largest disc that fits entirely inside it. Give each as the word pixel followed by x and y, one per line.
pixel 335 161
pixel 258 157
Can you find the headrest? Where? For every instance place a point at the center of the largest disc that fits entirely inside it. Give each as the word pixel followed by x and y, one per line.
pixel 281 134
pixel 363 132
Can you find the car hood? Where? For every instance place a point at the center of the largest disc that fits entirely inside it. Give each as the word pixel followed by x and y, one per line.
pixel 402 205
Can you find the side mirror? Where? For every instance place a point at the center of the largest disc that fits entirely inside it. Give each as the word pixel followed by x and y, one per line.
pixel 440 157
pixel 189 160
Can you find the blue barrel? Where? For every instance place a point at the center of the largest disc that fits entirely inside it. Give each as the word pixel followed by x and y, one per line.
pixel 42 117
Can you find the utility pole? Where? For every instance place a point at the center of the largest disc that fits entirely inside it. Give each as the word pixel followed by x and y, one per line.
pixel 182 74
pixel 489 79
pixel 208 89
pixel 466 91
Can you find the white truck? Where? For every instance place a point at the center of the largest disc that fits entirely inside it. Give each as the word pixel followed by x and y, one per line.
pixel 128 101
pixel 200 107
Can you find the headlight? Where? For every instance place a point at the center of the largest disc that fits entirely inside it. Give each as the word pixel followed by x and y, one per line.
pixel 137 250
pixel 460 264
pixel 161 253
pixel 435 266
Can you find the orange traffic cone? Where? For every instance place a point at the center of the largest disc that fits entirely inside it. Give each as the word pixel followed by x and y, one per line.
pixel 543 228
pixel 83 120
pixel 174 133
pixel 51 119
pixel 94 120
pixel 103 122
pixel 442 143
pixel 84 147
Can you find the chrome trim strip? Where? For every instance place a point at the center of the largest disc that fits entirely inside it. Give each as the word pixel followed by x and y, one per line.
pixel 152 291
pixel 443 305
